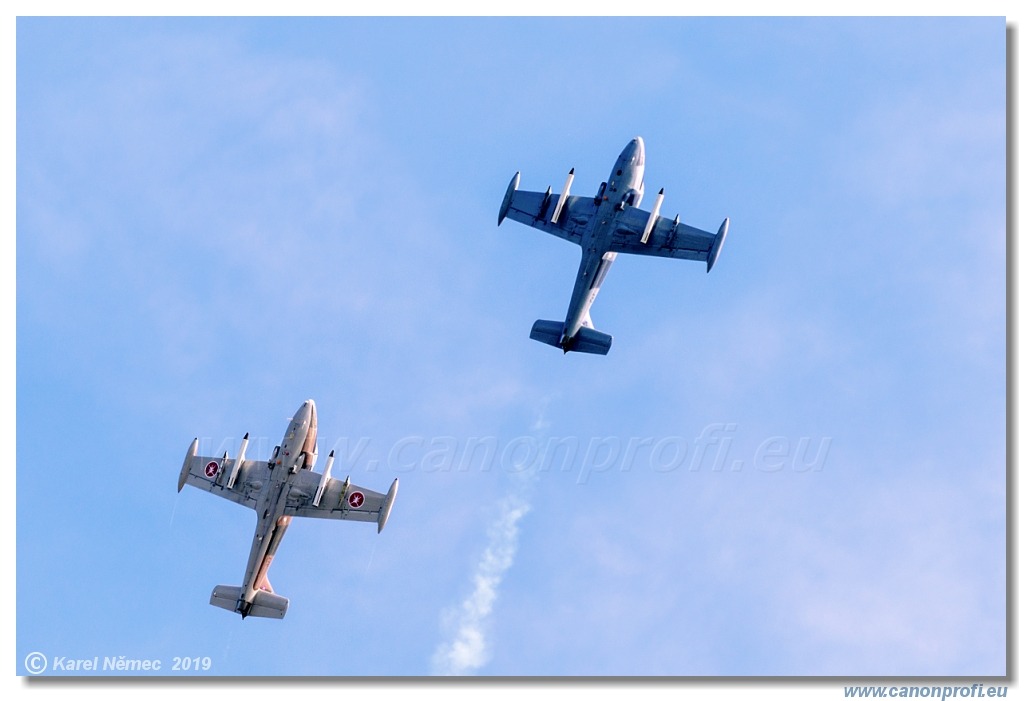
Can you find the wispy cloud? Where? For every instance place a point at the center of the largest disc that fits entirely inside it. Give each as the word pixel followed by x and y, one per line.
pixel 466 648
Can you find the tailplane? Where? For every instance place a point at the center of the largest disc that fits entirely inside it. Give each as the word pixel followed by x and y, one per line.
pixel 549 332
pixel 586 340
pixel 264 605
pixel 591 341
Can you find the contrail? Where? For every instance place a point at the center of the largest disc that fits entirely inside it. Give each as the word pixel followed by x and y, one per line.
pixel 467 650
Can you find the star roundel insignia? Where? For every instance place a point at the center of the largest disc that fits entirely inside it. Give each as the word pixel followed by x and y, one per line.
pixel 355 499
pixel 211 468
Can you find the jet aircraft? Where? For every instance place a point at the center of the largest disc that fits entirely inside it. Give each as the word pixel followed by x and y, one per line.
pixel 278 489
pixel 604 226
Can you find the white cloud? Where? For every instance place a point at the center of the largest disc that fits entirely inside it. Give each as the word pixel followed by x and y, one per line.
pixel 843 572
pixel 466 650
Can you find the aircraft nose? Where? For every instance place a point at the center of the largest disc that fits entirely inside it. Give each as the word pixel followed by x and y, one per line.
pixel 638 147
pixel 308 409
pixel 634 151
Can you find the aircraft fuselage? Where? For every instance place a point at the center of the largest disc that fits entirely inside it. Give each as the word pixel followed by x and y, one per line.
pixel 624 189
pixel 297 451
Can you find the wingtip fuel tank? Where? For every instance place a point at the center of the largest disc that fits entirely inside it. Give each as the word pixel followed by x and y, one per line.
pixel 193 448
pixel 513 185
pixel 716 245
pixel 385 509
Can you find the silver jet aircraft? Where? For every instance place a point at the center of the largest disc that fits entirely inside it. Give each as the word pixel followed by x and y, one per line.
pixel 278 489
pixel 604 226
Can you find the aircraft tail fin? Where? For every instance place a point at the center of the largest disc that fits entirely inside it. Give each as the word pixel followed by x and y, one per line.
pixel 586 340
pixel 264 605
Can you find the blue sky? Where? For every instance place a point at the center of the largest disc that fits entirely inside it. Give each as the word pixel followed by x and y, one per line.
pixel 792 466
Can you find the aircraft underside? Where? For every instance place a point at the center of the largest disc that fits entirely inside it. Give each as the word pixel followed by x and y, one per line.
pixel 604 226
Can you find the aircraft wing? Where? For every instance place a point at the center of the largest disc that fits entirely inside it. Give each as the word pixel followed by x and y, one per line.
pixel 535 209
pixel 667 238
pixel 340 499
pixel 214 474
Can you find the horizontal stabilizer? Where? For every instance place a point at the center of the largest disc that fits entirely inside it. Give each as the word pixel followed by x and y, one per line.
pixel 264 605
pixel 226 597
pixel 591 341
pixel 549 332
pixel 586 340
pixel 267 605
